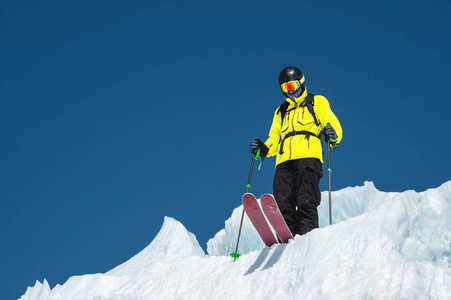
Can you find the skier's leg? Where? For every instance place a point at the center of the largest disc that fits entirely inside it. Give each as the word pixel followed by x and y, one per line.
pixel 283 187
pixel 307 173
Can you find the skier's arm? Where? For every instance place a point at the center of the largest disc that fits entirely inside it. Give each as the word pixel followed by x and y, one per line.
pixel 274 135
pixel 326 116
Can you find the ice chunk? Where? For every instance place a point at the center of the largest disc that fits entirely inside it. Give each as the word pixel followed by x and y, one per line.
pixel 39 291
pixel 173 242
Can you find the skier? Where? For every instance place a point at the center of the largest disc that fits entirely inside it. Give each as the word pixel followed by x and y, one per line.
pixel 295 137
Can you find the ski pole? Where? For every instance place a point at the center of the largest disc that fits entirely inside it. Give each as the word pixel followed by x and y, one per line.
pixel 330 171
pixel 235 254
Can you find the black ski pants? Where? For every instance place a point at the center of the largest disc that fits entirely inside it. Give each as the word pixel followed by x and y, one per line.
pixel 296 190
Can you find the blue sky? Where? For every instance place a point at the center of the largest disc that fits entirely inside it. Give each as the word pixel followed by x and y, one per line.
pixel 115 114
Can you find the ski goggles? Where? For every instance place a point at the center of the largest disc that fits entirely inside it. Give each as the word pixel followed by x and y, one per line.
pixel 290 86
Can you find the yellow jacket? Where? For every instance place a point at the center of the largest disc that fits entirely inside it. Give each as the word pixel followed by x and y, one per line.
pixel 298 118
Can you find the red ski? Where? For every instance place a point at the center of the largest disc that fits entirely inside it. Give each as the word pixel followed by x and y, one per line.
pixel 274 216
pixel 257 218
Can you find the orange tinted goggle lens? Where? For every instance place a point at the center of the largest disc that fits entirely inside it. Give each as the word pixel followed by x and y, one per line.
pixel 290 86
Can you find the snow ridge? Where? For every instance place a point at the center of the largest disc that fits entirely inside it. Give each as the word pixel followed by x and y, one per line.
pixel 381 246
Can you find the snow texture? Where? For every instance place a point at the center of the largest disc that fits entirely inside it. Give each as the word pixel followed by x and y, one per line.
pixel 381 246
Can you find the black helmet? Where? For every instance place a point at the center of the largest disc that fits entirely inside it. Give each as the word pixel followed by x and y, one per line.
pixel 290 74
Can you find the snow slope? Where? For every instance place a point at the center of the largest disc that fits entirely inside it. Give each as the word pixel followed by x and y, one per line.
pixel 381 246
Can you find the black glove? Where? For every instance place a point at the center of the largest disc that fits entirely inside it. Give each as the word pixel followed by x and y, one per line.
pixel 257 144
pixel 330 134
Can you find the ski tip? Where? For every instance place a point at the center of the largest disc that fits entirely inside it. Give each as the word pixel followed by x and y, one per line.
pixel 248 195
pixel 235 255
pixel 268 195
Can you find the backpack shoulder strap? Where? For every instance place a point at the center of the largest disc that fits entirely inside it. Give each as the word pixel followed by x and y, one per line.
pixel 309 102
pixel 283 109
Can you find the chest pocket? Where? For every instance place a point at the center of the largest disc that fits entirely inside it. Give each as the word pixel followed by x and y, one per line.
pixel 297 119
pixel 304 117
pixel 287 120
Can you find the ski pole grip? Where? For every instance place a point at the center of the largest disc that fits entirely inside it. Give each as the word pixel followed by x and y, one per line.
pixel 331 139
pixel 256 152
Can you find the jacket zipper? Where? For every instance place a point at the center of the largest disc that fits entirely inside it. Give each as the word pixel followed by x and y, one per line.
pixel 292 127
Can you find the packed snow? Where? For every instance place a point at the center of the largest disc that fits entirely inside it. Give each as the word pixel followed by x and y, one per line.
pixel 380 246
